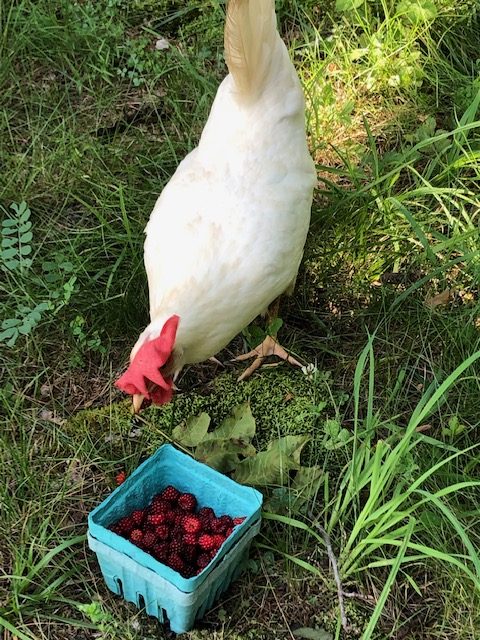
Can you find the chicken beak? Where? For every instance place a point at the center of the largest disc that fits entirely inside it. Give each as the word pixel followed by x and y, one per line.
pixel 137 402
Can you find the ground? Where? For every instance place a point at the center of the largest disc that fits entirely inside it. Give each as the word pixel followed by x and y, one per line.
pixel 100 101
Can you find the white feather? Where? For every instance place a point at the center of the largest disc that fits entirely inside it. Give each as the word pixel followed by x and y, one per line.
pixel 227 233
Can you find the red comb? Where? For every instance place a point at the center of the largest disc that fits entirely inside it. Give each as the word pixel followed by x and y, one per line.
pixel 145 367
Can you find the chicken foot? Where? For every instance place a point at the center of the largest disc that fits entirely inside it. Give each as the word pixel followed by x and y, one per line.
pixel 269 347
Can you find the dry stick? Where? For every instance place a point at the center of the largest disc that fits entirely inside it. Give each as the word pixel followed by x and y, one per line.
pixel 336 575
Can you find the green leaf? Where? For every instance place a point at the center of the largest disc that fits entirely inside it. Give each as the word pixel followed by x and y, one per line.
pixel 26 237
pixel 275 326
pixel 312 634
pixel 10 231
pixel 26 226
pixel 25 250
pixel 418 11
pixel 10 322
pixel 192 432
pixel 273 465
pixel 347 5
pixel 12 264
pixel 223 455
pixel 9 222
pixel 7 334
pixel 332 427
pixel 23 211
pixel 241 425
pixel 8 242
pixel 9 253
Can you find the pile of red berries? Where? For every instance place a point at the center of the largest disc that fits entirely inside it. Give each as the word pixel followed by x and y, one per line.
pixel 175 532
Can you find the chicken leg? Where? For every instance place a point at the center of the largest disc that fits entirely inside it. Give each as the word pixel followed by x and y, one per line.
pixel 269 347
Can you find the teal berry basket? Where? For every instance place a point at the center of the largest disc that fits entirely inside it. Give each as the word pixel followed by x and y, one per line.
pixel 136 575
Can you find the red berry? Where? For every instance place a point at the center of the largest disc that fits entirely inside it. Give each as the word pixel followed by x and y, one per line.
pixel 170 517
pixel 192 524
pixel 170 493
pixel 120 477
pixel 206 512
pixel 189 552
pixel 156 519
pixel 163 531
pixel 159 506
pixel 178 519
pixel 218 540
pixel 149 539
pixel 137 516
pixel 228 532
pixel 176 562
pixel 203 560
pixel 190 539
pixel 177 546
pixel 136 536
pixel 187 502
pixel 160 551
pixel 188 572
pixel 226 521
pixel 206 542
pixel 220 525
pixel 116 529
pixel 237 521
pixel 125 525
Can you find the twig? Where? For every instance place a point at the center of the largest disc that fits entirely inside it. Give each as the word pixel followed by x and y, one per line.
pixel 359 596
pixel 336 575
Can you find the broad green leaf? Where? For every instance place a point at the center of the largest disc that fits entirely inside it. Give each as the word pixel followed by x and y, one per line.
pixel 347 5
pixel 273 465
pixel 192 432
pixel 223 455
pixel 418 11
pixel 241 424
pixel 25 250
pixel 312 634
pixel 8 242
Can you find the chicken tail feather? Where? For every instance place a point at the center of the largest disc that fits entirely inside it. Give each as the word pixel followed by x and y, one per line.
pixel 250 39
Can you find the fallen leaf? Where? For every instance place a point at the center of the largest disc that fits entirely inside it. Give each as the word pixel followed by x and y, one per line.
pixel 423 427
pixel 161 44
pixel 439 299
pixel 49 416
pixel 241 424
pixel 273 465
pixel 223 455
pixel 192 432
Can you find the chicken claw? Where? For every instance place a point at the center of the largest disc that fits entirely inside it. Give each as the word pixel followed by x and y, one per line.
pixel 269 347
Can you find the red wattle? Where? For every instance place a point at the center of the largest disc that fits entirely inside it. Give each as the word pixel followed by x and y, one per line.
pixel 145 367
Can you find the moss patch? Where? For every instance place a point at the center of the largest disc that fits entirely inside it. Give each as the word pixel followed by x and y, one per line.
pixel 283 402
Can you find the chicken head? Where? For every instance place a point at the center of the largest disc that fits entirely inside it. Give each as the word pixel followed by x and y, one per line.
pixel 143 379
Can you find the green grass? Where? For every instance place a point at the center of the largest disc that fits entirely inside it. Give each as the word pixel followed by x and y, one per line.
pixel 93 121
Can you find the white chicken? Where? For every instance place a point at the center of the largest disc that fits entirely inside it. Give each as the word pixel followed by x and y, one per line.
pixel 226 235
